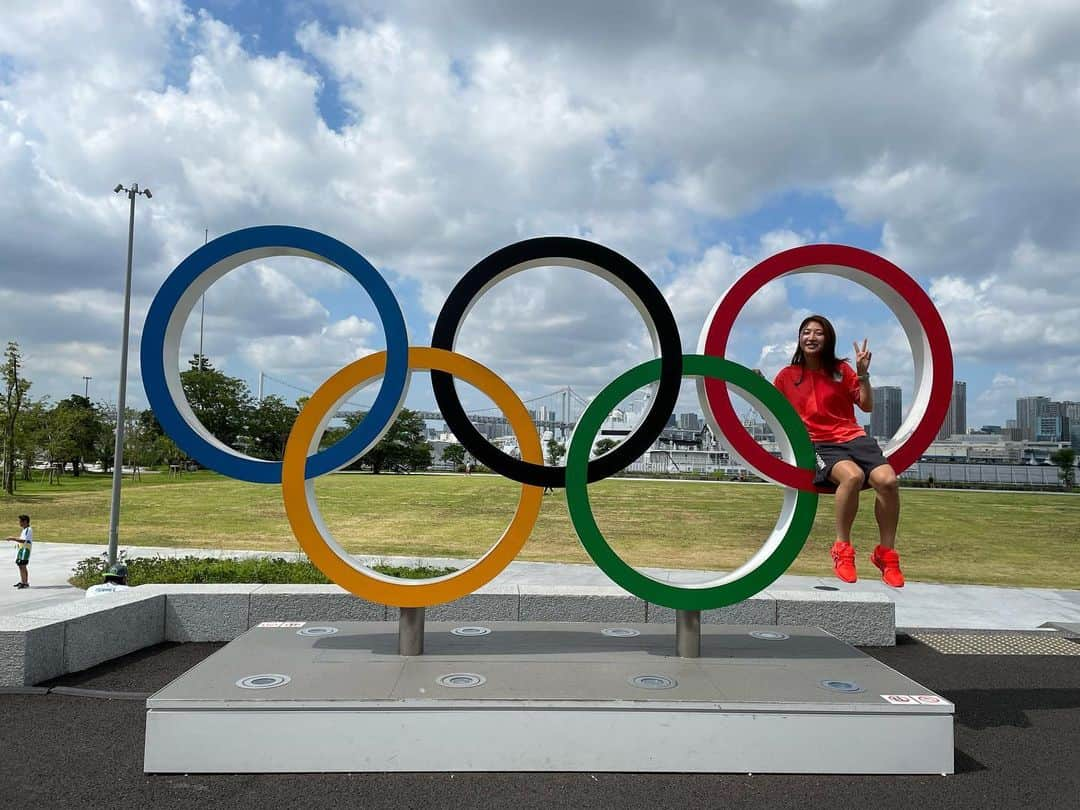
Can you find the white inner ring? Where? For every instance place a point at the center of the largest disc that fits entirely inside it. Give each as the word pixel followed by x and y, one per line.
pixel 596 270
pixel 783 521
pixel 921 356
pixel 328 536
pixel 175 329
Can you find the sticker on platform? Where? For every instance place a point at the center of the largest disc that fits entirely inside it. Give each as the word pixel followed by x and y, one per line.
pixel 930 700
pixel 280 624
pixel 905 700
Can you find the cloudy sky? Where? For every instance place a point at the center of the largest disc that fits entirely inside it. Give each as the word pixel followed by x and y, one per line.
pixel 696 138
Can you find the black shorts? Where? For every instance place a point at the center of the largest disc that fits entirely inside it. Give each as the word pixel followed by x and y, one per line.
pixel 21 563
pixel 863 450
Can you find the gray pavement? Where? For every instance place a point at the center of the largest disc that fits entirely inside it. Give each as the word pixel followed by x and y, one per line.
pixel 918 605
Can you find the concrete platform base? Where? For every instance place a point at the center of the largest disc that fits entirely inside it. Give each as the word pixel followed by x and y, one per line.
pixel 290 697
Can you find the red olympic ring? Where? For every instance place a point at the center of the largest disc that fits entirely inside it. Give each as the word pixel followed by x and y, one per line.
pixel 917 314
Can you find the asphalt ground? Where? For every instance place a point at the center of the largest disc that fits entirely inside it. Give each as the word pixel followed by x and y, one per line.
pixel 1017 745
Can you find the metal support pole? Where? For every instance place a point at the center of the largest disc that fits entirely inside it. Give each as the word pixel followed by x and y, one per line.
pixel 118 450
pixel 688 633
pixel 411 631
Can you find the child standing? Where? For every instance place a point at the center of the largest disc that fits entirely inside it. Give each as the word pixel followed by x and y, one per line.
pixel 22 555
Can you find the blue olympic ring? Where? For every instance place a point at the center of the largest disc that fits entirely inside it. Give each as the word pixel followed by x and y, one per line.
pixel 173 303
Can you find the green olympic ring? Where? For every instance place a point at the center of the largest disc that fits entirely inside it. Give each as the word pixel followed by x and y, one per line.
pixel 780 548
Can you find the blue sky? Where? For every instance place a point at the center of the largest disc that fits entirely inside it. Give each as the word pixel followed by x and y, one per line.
pixel 696 139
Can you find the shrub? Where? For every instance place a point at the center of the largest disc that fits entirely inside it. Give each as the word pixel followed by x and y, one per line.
pixel 203 570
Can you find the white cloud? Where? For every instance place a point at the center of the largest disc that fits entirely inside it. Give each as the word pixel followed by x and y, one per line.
pixel 948 126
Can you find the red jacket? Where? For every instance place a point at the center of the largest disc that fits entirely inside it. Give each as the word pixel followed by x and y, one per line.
pixel 825 403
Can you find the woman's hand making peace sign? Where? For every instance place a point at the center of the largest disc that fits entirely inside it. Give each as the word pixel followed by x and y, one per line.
pixel 862 358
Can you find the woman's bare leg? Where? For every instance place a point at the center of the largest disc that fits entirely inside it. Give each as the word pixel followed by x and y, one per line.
pixel 886 503
pixel 849 480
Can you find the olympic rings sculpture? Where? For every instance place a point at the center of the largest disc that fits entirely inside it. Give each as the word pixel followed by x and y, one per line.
pixel 303 461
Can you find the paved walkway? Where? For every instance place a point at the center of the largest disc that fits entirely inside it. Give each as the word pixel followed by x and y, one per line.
pixel 919 604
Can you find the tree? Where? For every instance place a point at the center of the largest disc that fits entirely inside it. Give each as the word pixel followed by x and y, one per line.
pixel 79 430
pixel 604 446
pixel 166 450
pixel 1065 458
pixel 222 403
pixel 140 440
pixel 268 428
pixel 30 433
pixel 15 390
pixel 454 454
pixel 555 451
pixel 402 448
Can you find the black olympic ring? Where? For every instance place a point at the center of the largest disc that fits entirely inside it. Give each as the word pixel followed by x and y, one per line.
pixel 594 258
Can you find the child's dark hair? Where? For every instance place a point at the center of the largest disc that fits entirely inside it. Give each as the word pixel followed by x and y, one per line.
pixel 829 360
pixel 24 517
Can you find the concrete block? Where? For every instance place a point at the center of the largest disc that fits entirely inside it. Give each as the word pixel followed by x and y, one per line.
pixel 579 603
pixel 205 612
pixel 864 619
pixel 491 603
pixel 303 603
pixel 755 610
pixel 105 627
pixel 31 650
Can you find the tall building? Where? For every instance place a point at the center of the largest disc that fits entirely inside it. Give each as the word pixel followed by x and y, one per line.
pixel 885 418
pixel 1028 411
pixel 1048 428
pixel 1060 411
pixel 956 419
pixel 689 421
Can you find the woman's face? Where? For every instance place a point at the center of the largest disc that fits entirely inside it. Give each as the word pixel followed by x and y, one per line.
pixel 812 339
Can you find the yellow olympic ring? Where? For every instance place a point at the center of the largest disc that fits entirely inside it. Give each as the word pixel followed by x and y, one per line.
pixel 325 552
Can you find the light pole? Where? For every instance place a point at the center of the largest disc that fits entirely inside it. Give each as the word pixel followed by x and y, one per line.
pixel 202 314
pixel 118 451
pixel 86 393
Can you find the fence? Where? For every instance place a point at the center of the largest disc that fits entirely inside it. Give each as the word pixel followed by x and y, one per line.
pixel 1019 474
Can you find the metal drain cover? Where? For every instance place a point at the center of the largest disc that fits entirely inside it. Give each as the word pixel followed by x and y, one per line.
pixel 769 635
pixel 317 631
pixel 841 686
pixel 1041 643
pixel 653 682
pixel 461 680
pixel 620 632
pixel 471 631
pixel 265 681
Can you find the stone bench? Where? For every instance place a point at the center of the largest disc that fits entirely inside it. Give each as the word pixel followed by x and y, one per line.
pixel 52 641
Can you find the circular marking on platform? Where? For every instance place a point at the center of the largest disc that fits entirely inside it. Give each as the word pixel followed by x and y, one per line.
pixel 620 632
pixel 317 631
pixel 653 682
pixel 841 686
pixel 770 635
pixel 472 630
pixel 263 681
pixel 461 680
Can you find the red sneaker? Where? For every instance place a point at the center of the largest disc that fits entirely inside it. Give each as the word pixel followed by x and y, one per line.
pixel 843 560
pixel 888 560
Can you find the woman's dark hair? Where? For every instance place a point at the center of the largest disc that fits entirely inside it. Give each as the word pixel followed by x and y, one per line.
pixel 829 360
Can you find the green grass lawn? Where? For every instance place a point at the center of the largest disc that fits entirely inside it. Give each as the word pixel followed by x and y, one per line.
pixel 993 538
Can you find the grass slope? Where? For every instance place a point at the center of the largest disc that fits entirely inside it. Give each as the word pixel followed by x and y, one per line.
pixel 991 538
